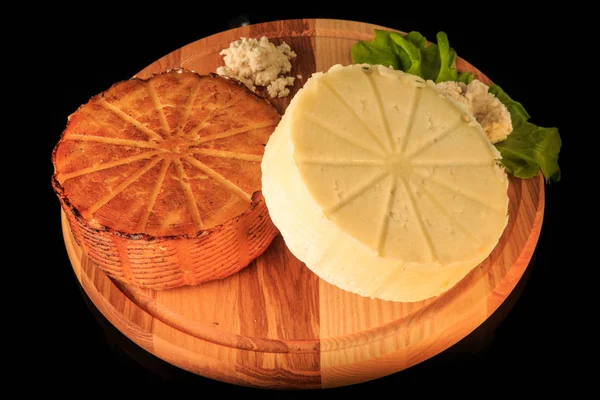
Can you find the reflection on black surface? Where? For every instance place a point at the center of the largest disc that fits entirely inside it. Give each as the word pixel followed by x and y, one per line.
pixel 471 357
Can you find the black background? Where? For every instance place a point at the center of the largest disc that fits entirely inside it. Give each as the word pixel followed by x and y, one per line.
pixel 76 54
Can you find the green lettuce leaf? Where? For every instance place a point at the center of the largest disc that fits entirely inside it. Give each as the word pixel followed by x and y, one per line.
pixel 417 39
pixel 530 148
pixel 410 54
pixel 447 71
pixel 465 77
pixel 527 150
pixel 376 51
pixel 518 115
pixel 431 62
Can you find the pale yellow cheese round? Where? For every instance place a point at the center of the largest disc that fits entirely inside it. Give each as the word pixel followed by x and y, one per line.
pixel 382 186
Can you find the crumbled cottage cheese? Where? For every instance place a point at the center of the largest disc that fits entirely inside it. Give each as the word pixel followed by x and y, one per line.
pixel 484 106
pixel 259 63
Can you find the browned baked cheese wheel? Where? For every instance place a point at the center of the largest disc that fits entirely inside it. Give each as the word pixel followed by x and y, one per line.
pixel 160 178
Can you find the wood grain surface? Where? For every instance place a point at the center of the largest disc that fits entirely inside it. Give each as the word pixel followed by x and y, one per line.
pixel 277 325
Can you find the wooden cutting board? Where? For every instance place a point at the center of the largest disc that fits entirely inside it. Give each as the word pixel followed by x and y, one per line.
pixel 276 324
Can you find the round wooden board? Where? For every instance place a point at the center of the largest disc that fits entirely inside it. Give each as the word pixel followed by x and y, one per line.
pixel 277 325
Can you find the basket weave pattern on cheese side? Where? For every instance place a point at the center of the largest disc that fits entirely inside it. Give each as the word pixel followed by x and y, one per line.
pixel 160 178
pixel 382 186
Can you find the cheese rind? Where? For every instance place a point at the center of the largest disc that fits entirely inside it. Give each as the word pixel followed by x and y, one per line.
pixel 381 186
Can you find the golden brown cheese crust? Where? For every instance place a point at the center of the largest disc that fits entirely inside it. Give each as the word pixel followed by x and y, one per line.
pixel 172 157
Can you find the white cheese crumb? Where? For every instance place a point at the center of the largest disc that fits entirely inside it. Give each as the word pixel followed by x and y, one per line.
pixel 258 62
pixel 278 88
pixel 491 114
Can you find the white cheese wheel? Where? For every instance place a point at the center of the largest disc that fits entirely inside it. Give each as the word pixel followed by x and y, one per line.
pixel 382 186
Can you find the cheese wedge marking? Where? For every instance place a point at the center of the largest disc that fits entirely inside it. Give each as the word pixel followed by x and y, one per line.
pixel 433 142
pixel 188 108
pixel 127 118
pixel 164 124
pixel 366 127
pixel 226 154
pixel 404 137
pixel 419 218
pixel 124 161
pixel 203 123
pixel 115 141
pixel 153 196
pixel 447 212
pixel 189 194
pixel 231 132
pixel 122 186
pixel 227 184
pixel 386 124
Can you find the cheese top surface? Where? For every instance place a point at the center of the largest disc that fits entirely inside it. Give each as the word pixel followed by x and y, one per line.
pixel 383 187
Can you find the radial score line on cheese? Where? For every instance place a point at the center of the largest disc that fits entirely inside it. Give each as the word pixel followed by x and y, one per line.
pixel 382 186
